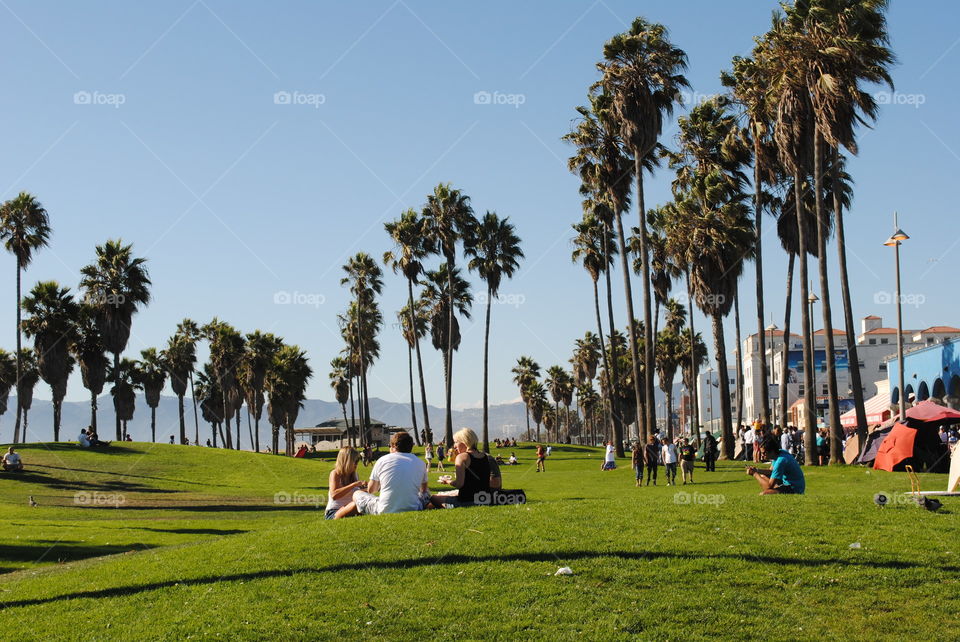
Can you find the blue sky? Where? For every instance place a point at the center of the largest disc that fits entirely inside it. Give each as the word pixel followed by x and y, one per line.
pixel 161 123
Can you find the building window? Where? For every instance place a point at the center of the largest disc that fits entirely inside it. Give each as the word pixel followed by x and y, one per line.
pixel 800 391
pixel 873 342
pixel 884 341
pixel 824 390
pixel 929 340
pixel 860 365
pixel 883 367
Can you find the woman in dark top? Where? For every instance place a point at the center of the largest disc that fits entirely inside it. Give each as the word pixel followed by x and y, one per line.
pixel 477 472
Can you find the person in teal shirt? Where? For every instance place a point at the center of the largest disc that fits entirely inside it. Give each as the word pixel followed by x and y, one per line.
pixel 785 476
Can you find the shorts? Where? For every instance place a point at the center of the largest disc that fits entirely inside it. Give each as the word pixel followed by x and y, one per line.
pixel 367 503
pixel 786 490
pixel 609 465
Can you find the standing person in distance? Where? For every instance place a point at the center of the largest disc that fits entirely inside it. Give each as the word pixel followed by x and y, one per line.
pixel 651 458
pixel 668 455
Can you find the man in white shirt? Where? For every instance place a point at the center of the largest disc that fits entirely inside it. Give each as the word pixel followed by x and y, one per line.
pixel 749 438
pixel 84 439
pixel 668 455
pixel 399 477
pixel 12 461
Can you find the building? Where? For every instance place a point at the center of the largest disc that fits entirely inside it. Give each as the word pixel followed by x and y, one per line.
pixel 932 371
pixel 708 396
pixel 333 435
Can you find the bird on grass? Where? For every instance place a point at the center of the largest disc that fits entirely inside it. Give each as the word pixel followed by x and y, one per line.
pixel 33 504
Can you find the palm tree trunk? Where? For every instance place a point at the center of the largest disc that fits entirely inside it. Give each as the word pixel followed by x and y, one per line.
pixel 648 337
pixel 413 403
pixel 613 379
pixel 153 424
pixel 852 356
pixel 785 360
pixel 836 432
pixel 758 216
pixel 23 431
pixel 736 319
pixel 343 408
pixel 726 421
pixel 16 427
pixel 116 368
pixel 352 426
pixel 228 442
pixel 183 430
pixel 669 399
pixel 237 415
pixel 256 427
pixel 93 411
pixel 449 355
pixel 642 426
pixel 196 419
pixel 486 371
pixel 57 405
pixel 603 348
pixel 695 387
pixel 250 431
pixel 366 404
pixel 810 436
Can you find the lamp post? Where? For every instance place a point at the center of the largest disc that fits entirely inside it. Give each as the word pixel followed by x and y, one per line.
pixel 894 242
pixel 766 384
pixel 813 298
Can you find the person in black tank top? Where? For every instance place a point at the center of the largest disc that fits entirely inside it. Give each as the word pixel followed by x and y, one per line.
pixel 476 471
pixel 476 477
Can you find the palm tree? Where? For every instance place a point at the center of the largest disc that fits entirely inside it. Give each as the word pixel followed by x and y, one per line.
pixel 340 382
pixel 8 377
pixel 412 334
pixel 211 401
pixel 593 246
pixel 555 384
pixel 226 353
pixel 258 354
pixel 127 379
pixel 445 336
pixel 448 219
pixel 524 373
pixel 286 382
pixel 191 334
pixel 115 286
pixel 495 254
pixel 24 227
pixel 643 73
pixel 587 400
pixel 365 280
pixel 413 245
pixel 89 352
pixel 179 358
pixel 586 358
pixel 692 359
pixel 29 375
pixel 153 376
pixel 52 325
pixel 669 354
pixel 538 404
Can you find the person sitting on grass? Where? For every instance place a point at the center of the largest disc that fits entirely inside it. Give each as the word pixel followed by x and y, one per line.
pixel 344 483
pixel 785 476
pixel 513 460
pixel 477 472
pixel 12 461
pixel 399 477
pixel 83 439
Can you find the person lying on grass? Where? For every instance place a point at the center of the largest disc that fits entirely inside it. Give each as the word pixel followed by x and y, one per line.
pixel 12 461
pixel 785 475
pixel 344 483
pixel 399 477
pixel 477 472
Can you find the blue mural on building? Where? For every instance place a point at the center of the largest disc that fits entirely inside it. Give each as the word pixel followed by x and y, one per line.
pixel 933 371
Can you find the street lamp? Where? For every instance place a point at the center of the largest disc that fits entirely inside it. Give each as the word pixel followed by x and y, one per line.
pixel 894 241
pixel 770 329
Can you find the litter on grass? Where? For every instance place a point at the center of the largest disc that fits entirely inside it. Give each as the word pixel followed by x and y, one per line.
pixel 564 570
pixel 855 545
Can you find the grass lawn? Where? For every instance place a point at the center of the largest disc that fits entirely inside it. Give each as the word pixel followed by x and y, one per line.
pixel 152 541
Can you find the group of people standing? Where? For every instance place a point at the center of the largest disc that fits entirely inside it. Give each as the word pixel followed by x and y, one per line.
pixel 663 452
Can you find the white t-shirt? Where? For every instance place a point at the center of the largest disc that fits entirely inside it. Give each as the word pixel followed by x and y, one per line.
pixel 668 453
pixel 610 453
pixel 84 440
pixel 401 476
pixel 749 437
pixel 11 459
pixel 785 441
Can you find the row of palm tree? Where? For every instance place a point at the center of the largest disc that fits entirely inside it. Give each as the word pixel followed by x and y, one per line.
pixel 792 105
pixel 446 228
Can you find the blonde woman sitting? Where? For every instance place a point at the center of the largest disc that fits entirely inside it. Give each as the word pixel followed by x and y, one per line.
pixel 344 482
pixel 477 472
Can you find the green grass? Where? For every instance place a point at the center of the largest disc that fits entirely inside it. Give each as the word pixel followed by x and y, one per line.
pixel 199 549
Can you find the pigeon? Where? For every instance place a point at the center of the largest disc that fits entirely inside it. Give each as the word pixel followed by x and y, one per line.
pixel 931 504
pixel 32 503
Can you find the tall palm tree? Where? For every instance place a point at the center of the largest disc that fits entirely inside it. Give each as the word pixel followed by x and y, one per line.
pixel 258 353
pixel 29 375
pixel 226 353
pixel 89 351
pixel 127 379
pixel 643 72
pixel 340 382
pixel 524 373
pixel 8 377
pixel 115 285
pixel 586 358
pixel 211 402
pixel 189 330
pixel 538 404
pixel 448 220
pixel 287 380
pixel 693 357
pixel 495 254
pixel 587 400
pixel 413 245
pixel 24 227
pixel 179 358
pixel 420 320
pixel 52 325
pixel 555 384
pixel 593 247
pixel 153 376
pixel 365 280
pixel 669 354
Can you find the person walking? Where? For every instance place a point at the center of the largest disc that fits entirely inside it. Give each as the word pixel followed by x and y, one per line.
pixel 541 456
pixel 668 455
pixel 428 454
pixel 688 455
pixel 710 452
pixel 651 459
pixel 637 461
pixel 440 468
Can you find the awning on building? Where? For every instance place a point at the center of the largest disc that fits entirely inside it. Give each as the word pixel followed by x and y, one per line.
pixel 877 409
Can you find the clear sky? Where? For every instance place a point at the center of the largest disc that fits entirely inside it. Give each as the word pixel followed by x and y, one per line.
pixel 161 123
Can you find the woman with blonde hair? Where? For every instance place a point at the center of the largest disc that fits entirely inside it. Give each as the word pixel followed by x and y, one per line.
pixel 476 471
pixel 343 483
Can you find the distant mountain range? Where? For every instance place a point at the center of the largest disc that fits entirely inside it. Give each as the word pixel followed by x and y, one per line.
pixel 506 420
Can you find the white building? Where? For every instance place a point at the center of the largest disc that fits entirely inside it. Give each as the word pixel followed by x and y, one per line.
pixel 708 396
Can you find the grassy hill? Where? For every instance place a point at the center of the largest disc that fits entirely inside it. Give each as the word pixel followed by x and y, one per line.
pixel 149 541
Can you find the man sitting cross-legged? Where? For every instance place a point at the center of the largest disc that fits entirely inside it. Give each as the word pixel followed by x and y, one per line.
pixel 399 477
pixel 785 475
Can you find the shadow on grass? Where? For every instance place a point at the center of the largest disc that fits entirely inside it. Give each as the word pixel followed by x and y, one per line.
pixel 48 480
pixel 110 472
pixel 62 446
pixel 213 508
pixel 191 531
pixel 66 550
pixel 552 557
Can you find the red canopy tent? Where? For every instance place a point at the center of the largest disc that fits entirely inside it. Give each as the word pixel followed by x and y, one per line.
pixel 915 442
pixel 929 412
